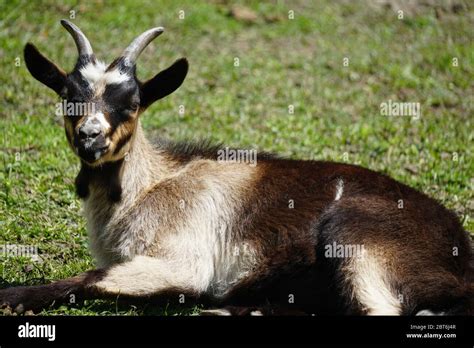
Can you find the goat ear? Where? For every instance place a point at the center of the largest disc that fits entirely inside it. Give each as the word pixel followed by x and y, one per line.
pixel 44 70
pixel 164 83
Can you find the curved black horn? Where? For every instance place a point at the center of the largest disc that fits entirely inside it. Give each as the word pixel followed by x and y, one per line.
pixel 83 45
pixel 133 50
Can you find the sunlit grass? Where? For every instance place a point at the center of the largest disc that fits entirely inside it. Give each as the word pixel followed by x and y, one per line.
pixel 282 62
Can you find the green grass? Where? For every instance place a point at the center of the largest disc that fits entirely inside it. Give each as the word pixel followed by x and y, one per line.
pixel 282 62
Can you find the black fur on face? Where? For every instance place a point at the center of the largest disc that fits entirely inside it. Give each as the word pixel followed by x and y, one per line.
pixel 113 97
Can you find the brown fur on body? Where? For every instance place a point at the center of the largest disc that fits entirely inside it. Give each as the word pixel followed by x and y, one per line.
pixel 290 241
pixel 167 221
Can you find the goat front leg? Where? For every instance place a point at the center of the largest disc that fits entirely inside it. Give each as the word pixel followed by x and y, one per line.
pixel 142 277
pixel 37 297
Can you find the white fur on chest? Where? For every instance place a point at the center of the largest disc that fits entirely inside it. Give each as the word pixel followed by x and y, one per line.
pixel 203 246
pixel 98 212
pixel 109 242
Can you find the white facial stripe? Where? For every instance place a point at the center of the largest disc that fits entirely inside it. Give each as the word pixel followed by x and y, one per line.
pixel 96 122
pixel 97 76
pixel 102 120
pixel 93 72
pixel 115 77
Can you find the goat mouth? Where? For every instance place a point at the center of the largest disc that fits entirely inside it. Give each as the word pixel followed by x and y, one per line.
pixel 91 154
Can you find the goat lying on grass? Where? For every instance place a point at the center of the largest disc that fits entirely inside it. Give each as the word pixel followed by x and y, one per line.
pixel 167 221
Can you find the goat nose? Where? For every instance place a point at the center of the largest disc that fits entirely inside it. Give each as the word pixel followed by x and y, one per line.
pixel 90 133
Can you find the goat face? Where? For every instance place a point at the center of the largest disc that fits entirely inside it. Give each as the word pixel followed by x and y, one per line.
pixel 101 103
pixel 105 103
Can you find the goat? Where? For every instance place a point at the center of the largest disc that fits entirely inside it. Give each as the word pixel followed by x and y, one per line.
pixel 169 221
